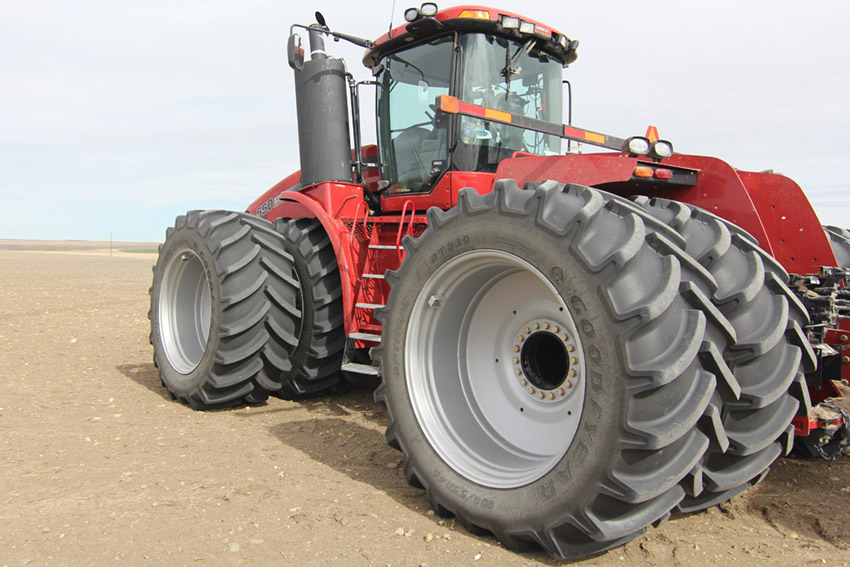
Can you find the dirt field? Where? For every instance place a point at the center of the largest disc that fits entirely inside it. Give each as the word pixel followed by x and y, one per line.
pixel 98 466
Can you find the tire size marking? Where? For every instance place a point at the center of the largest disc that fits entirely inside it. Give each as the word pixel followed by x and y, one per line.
pixel 463 493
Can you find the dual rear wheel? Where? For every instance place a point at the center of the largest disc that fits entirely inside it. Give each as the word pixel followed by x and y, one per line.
pixel 561 372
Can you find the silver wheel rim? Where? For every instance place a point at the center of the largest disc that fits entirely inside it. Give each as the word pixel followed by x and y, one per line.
pixel 185 311
pixel 495 369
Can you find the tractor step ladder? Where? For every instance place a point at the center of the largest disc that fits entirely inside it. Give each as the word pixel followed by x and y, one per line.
pixel 357 368
pixel 370 296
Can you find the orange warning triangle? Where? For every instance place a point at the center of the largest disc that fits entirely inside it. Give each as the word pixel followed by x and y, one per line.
pixel 652 134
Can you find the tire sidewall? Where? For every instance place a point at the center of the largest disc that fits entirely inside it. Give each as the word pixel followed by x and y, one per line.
pixel 573 483
pixel 301 272
pixel 181 239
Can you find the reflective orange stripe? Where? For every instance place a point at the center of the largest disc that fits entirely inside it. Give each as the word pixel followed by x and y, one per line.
pixel 497 115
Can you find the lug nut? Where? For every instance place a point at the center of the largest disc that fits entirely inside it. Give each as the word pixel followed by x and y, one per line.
pixel 556 329
pixel 573 361
pixel 545 326
pixel 531 390
pixel 561 391
pixel 570 348
pixel 572 373
pixel 845 359
pixel 516 348
pixel 523 382
pixel 843 338
pixel 564 337
pixel 527 331
pixel 519 338
pixel 516 360
pixel 537 326
pixel 550 396
pixel 540 395
pixel 568 384
pixel 518 372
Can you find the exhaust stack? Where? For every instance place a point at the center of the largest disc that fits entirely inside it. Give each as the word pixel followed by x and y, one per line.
pixel 322 108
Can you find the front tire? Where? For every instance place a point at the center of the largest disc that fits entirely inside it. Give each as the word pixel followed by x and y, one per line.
pixel 574 440
pixel 220 310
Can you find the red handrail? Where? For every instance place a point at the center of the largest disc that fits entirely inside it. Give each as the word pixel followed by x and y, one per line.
pixel 401 225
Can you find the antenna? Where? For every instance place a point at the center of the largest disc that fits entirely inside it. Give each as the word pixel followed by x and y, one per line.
pixel 392 11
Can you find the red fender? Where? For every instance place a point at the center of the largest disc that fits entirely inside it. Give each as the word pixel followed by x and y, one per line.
pixel 329 202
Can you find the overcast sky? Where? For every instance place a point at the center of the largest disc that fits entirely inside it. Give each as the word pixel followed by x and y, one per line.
pixel 115 116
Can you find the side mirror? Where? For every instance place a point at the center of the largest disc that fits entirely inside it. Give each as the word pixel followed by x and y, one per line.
pixel 295 53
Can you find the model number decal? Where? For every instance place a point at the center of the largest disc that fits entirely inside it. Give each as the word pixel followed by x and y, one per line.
pixel 264 208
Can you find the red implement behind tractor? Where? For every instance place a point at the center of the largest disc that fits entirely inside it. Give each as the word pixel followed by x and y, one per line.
pixel 571 345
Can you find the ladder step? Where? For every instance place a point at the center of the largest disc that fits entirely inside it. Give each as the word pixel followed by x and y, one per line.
pixel 369 305
pixel 365 337
pixel 361 368
pixel 385 247
pixel 374 276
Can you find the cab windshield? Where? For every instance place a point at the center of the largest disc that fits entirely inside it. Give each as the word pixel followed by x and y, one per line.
pixel 416 143
pixel 512 77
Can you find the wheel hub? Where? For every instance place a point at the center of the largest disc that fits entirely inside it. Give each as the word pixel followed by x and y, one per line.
pixel 546 361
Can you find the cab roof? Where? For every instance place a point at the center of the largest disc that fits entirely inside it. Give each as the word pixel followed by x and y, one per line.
pixel 472 18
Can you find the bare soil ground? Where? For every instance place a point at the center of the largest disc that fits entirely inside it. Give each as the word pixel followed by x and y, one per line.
pixel 98 466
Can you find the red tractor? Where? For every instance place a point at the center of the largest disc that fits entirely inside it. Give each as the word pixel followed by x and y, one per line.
pixel 571 345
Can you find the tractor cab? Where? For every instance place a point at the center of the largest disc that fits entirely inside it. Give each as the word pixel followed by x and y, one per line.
pixel 496 61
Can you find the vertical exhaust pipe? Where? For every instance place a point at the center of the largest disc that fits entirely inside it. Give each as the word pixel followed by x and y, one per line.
pixel 322 109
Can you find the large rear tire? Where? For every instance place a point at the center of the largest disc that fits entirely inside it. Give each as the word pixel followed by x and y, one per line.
pixel 221 309
pixel 767 361
pixel 317 358
pixel 542 367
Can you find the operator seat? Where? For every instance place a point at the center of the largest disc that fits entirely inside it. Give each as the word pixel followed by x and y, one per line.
pixel 416 148
pixel 408 149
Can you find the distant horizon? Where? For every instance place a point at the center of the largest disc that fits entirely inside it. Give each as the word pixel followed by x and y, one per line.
pixel 106 241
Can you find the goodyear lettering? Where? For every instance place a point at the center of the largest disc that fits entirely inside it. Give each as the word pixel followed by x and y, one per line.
pixel 594 354
pixel 580 452
pixel 546 490
pixel 596 380
pixel 565 474
pixel 578 305
pixel 591 403
pixel 557 275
